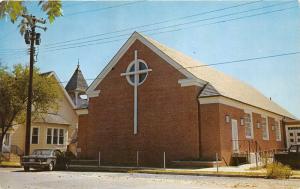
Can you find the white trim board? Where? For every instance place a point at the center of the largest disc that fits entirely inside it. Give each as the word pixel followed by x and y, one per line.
pixel 82 111
pixel 190 82
pixel 136 36
pixel 236 104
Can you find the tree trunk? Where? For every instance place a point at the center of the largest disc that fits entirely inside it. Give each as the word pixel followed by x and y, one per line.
pixel 1 142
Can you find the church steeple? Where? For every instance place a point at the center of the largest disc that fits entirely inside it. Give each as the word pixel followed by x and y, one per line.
pixel 76 86
pixel 78 64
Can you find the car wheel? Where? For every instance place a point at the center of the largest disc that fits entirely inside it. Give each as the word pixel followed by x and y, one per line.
pixel 51 166
pixel 26 168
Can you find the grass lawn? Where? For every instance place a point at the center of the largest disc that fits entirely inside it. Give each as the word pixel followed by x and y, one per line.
pixel 9 164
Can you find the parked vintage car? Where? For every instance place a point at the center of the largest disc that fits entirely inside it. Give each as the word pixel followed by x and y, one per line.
pixel 48 159
pixel 291 157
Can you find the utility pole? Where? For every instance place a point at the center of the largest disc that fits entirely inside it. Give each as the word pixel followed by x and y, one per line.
pixel 32 38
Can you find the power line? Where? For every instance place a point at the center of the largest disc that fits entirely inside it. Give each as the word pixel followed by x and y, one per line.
pixel 170 26
pixel 68 5
pixel 101 9
pixel 244 60
pixel 179 29
pixel 8 51
pixel 229 20
pixel 51 50
pixel 156 33
pixel 5 36
pixel 224 63
pixel 151 24
pixel 82 12
pixel 173 30
pixel 165 27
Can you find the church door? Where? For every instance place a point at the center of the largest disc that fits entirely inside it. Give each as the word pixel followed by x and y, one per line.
pixel 235 136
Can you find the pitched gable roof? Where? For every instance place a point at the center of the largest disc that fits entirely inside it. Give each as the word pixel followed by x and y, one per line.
pixel 217 82
pixel 52 73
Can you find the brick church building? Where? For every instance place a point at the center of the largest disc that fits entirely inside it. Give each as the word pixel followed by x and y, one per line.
pixel 151 99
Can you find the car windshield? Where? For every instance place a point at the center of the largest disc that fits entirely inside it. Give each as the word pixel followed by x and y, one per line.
pixel 42 152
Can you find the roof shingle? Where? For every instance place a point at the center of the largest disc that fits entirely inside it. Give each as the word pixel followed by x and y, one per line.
pixel 77 82
pixel 220 83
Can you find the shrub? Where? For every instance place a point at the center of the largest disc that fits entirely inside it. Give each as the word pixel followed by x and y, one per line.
pixel 278 170
pixel 265 161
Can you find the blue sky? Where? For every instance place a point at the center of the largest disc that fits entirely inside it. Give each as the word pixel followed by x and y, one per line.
pixel 267 28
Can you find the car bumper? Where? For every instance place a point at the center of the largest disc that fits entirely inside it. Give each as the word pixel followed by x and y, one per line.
pixel 35 164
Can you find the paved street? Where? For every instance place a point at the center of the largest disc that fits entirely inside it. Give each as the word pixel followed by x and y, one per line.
pixel 16 178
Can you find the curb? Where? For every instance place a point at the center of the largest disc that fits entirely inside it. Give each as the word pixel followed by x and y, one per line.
pixel 204 174
pixel 170 172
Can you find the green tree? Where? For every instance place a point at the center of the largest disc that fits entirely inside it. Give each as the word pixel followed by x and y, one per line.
pixel 13 96
pixel 15 9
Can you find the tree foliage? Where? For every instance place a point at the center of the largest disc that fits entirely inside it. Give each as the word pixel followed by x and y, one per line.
pixel 13 96
pixel 52 9
pixel 15 9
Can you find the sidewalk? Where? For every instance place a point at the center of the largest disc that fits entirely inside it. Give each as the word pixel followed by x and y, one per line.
pixel 239 171
pixel 230 171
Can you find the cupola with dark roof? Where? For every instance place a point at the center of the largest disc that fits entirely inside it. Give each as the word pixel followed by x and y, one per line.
pixel 77 86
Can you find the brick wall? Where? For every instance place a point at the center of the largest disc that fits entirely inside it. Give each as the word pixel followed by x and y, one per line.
pixel 226 131
pixel 167 116
pixel 83 130
pixel 216 133
pixel 168 119
pixel 210 131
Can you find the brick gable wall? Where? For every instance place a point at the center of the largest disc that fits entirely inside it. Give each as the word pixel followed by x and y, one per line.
pixel 167 116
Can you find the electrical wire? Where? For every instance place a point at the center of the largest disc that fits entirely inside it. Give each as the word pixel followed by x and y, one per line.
pixel 172 30
pixel 155 29
pixel 224 63
pixel 166 27
pixel 101 9
pixel 151 24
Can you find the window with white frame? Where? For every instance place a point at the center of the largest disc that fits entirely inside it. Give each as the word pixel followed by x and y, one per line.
pixel 55 136
pixel 265 128
pixel 49 136
pixel 277 130
pixel 61 136
pixel 248 125
pixel 35 135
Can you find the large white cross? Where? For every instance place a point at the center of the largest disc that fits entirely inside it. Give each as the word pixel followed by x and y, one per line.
pixel 136 74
